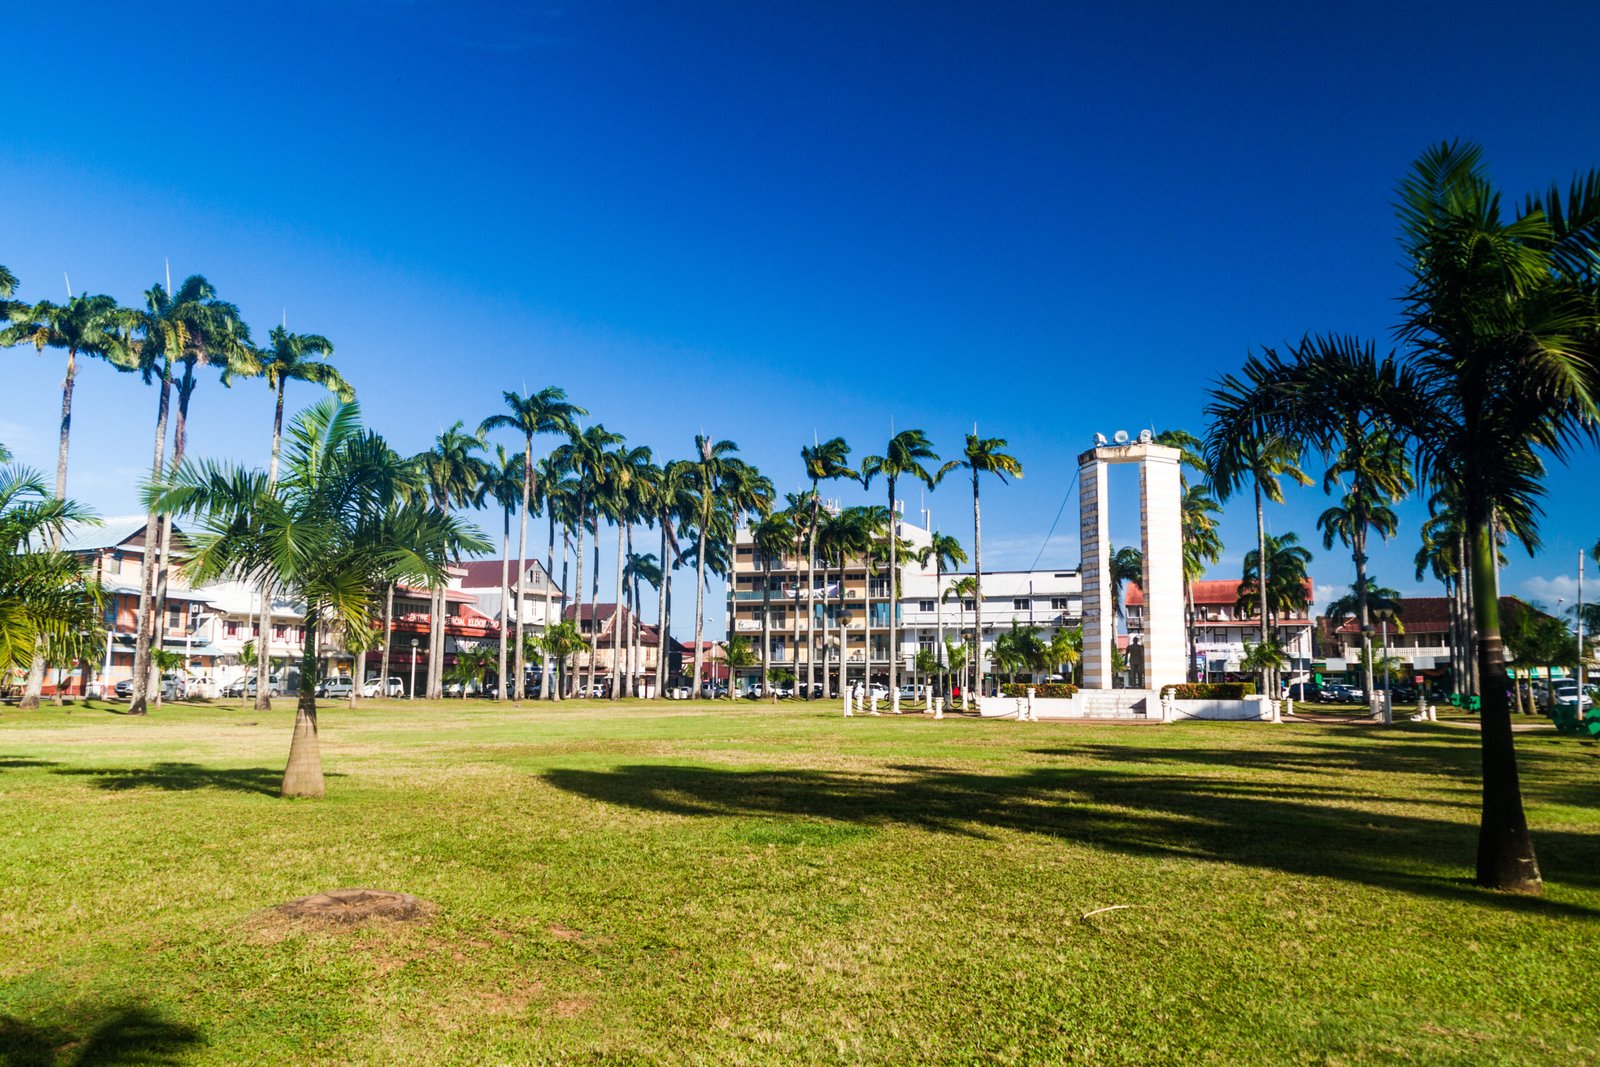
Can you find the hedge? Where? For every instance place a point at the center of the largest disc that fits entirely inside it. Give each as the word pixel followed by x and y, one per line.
pixel 1214 690
pixel 1040 689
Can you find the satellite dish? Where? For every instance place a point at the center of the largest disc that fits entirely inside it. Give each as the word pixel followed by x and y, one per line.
pixel 1144 437
pixel 1120 437
pixel 1099 439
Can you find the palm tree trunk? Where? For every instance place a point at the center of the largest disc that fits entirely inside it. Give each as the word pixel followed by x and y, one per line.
pixel 547 670
pixel 700 596
pixel 577 585
pixel 766 624
pixel 505 600
pixel 303 776
pixel 661 615
pixel 1359 539
pixel 938 615
pixel 388 639
pixel 1505 849
pixel 811 593
pixel 358 676
pixel 519 653
pixel 1194 643
pixel 180 439
pixel 977 587
pixel 894 603
pixel 562 678
pixel 594 607
pixel 144 624
pixel 1270 691
pixel 616 619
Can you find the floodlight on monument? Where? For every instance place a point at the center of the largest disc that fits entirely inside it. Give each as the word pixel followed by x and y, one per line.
pixel 1120 437
pixel 1099 439
pixel 1144 437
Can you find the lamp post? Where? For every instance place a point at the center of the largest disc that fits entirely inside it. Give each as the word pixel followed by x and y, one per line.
pixel 411 693
pixel 1580 636
pixel 1388 712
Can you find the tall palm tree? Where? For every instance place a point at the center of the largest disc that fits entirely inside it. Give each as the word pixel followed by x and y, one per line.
pixel 86 324
pixel 1500 320
pixel 824 461
pixel 455 476
pixel 946 554
pixel 674 502
pixel 1246 443
pixel 557 493
pixel 983 455
pixel 1284 590
pixel 503 481
pixel 46 599
pixel 584 454
pixel 1202 547
pixel 318 532
pixel 711 468
pixel 546 411
pixel 177 327
pixel 772 537
pixel 961 590
pixel 620 504
pixel 903 457
pixel 290 357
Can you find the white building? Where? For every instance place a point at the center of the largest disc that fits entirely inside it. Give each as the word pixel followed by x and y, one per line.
pixel 1048 599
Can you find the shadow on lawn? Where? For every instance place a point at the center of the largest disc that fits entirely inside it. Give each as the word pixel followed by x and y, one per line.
pixel 9 764
pixel 181 777
pixel 97 1037
pixel 1302 828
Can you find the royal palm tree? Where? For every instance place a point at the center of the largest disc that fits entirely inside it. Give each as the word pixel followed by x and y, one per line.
pixel 772 537
pixel 642 569
pixel 1202 547
pixel 546 411
pixel 503 482
pixel 455 475
pixel 1285 588
pixel 961 590
pixel 181 326
pixel 903 457
pixel 983 455
pixel 1501 322
pixel 673 501
pixel 318 534
pixel 946 554
pixel 86 324
pixel 709 471
pixel 583 455
pixel 46 599
pixel 826 461
pixel 1245 445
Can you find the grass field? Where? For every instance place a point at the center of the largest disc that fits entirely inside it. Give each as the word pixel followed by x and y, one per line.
pixel 678 883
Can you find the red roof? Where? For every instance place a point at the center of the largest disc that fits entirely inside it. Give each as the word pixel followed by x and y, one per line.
pixel 485 573
pixel 1430 614
pixel 1221 592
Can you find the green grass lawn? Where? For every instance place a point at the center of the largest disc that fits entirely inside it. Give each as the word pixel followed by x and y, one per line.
pixel 682 883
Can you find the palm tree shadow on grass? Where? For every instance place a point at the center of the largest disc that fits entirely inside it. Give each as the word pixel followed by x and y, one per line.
pixel 1318 829
pixel 183 777
pixel 97 1037
pixel 12 764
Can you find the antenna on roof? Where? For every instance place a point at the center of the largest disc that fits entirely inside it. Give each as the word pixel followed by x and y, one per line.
pixel 168 261
pixel 69 284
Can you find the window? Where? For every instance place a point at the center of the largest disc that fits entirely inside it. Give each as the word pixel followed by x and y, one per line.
pixel 1019 604
pixel 280 632
pixel 969 604
pixel 1058 603
pixel 924 605
pixel 232 627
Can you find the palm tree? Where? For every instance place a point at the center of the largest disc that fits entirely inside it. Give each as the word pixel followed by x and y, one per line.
pixel 710 469
pixel 1265 658
pixel 177 326
pixel 827 461
pixel 983 455
pixel 1245 443
pixel 620 503
pixel 318 534
pixel 1285 587
pixel 947 554
pixel 1202 547
pixel 738 655
pixel 46 599
pixel 960 591
pixel 88 324
pixel 903 457
pixel 1382 603
pixel 1066 648
pixel 642 568
pixel 673 502
pixel 546 411
pixel 1500 320
pixel 291 357
pixel 455 477
pixel 583 455
pixel 503 482
pixel 1127 565
pixel 771 537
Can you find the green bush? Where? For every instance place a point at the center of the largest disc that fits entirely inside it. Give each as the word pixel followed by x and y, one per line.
pixel 1214 690
pixel 1040 689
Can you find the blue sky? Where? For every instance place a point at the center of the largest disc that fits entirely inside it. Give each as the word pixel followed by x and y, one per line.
pixel 764 222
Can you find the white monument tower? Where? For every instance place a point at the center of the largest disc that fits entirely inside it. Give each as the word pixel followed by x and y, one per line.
pixel 1161 526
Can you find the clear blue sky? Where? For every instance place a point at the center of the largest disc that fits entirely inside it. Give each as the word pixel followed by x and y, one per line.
pixel 765 221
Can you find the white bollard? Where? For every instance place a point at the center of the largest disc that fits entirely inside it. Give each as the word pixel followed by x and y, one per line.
pixel 875 702
pixel 894 701
pixel 1033 715
pixel 938 707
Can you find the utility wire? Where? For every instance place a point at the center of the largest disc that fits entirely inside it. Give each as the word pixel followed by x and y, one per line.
pixel 1059 511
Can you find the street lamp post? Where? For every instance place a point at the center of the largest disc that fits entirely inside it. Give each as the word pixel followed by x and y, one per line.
pixel 1580 636
pixel 411 694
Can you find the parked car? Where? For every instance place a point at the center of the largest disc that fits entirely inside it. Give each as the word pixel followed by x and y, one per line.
pixel 1566 695
pixel 713 691
pixel 470 688
pixel 679 692
pixel 274 686
pixel 337 686
pixel 374 687
pixel 173 687
pixel 913 694
pixel 1306 693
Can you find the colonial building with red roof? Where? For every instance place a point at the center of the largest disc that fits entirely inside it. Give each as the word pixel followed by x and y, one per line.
pixel 1222 627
